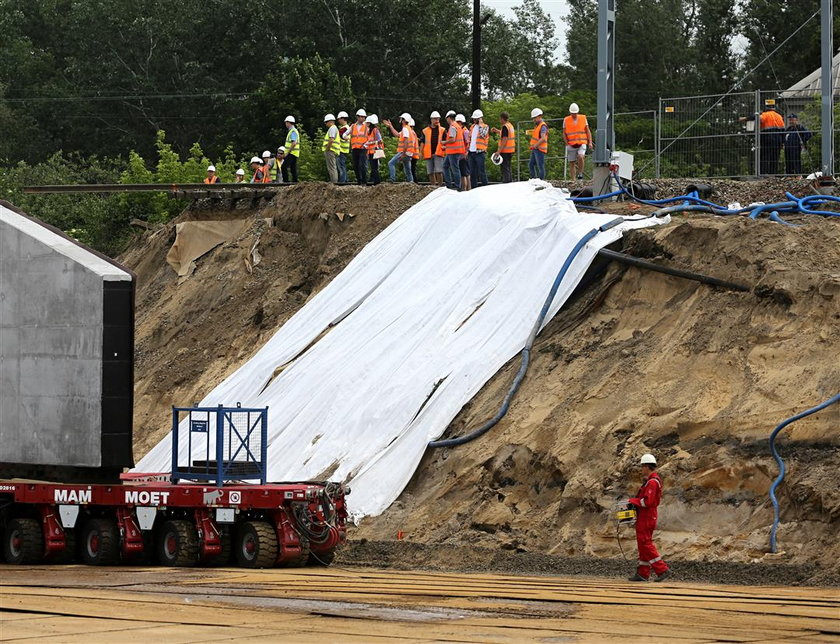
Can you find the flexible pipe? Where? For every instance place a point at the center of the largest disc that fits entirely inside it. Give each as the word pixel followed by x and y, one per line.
pixel 781 463
pixel 526 351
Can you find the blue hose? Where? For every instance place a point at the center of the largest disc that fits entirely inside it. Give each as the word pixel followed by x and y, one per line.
pixel 526 351
pixel 781 463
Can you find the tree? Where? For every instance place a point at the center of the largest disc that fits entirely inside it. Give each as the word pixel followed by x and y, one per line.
pixel 767 23
pixel 518 54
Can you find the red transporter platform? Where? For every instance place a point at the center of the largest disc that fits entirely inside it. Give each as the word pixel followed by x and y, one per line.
pixel 253 526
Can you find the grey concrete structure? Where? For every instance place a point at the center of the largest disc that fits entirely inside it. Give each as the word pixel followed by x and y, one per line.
pixel 66 339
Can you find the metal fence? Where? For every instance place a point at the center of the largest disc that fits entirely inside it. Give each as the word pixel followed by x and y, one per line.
pixel 719 135
pixel 635 132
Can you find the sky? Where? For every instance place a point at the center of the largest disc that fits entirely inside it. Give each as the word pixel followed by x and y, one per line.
pixel 557 9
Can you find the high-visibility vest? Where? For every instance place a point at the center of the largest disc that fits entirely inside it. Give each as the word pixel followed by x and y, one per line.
pixel 332 146
pixel 343 144
pixel 575 130
pixel 261 175
pixel 374 137
pixel 215 179
pixel 457 146
pixel 770 118
pixel 358 135
pixel 483 137
pixel 427 142
pixel 408 144
pixel 296 151
pixel 536 144
pixel 507 145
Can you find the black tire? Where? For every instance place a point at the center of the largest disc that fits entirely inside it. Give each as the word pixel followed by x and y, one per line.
pixel 256 545
pixel 177 544
pixel 100 543
pixel 23 542
pixel 224 557
pixel 322 557
pixel 68 555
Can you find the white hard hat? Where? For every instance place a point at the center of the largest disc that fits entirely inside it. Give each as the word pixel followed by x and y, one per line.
pixel 281 149
pixel 373 118
pixel 647 459
pixel 573 108
pixel 460 117
pixel 211 168
pixel 536 112
pixel 434 115
pixel 450 113
pixel 266 154
pixel 240 172
pixel 496 158
pixel 405 116
pixel 477 114
pixel 255 160
pixel 342 115
pixel 410 122
pixel 329 117
pixel 290 119
pixel 361 113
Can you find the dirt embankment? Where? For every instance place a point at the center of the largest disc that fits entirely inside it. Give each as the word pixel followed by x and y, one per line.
pixel 190 335
pixel 642 362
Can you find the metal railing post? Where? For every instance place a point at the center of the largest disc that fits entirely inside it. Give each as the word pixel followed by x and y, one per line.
pixel 657 134
pixel 757 133
pixel 220 445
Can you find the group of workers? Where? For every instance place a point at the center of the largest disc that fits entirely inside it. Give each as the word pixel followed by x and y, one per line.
pixel 455 155
pixel 774 136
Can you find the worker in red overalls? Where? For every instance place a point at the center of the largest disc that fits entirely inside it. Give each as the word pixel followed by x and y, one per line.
pixel 646 502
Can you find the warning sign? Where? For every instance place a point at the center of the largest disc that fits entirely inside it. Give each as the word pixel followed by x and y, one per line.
pixel 669 109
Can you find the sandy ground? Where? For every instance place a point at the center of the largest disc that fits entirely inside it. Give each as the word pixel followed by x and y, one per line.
pixel 641 362
pixel 82 604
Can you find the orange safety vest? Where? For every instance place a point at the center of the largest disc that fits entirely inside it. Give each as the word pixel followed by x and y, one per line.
pixel 376 141
pixel 408 145
pixel 536 144
pixel 261 175
pixel 215 179
pixel 457 146
pixel 507 145
pixel 481 141
pixel 770 118
pixel 427 142
pixel 575 130
pixel 358 135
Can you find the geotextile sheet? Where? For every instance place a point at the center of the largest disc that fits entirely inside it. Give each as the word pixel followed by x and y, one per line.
pixel 380 361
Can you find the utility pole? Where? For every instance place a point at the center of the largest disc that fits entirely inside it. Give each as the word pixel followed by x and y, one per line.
pixel 827 89
pixel 605 132
pixel 476 55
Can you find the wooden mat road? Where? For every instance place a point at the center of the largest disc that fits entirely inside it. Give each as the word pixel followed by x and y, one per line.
pixel 83 604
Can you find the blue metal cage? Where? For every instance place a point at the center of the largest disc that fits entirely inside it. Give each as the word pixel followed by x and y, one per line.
pixel 219 444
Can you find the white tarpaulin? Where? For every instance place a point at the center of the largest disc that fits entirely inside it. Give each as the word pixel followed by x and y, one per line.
pixel 439 301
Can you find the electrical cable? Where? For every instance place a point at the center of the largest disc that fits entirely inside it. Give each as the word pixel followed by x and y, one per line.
pixel 781 463
pixel 526 351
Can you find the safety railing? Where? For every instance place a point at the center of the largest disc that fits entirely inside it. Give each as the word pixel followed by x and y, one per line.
pixel 219 444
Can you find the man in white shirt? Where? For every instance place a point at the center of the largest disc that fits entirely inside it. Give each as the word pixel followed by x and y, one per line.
pixel 331 147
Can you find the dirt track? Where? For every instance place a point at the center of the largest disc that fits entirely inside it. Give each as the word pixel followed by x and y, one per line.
pixel 81 604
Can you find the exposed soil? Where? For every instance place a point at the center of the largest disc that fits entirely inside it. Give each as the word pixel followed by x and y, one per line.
pixel 641 362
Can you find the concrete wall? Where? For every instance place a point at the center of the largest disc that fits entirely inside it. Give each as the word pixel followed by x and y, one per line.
pixel 51 345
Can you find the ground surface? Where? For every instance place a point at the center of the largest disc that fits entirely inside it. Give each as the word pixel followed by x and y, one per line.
pixel 641 362
pixel 83 604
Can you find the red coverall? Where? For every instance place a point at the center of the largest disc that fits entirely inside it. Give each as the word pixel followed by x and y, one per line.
pixel 646 501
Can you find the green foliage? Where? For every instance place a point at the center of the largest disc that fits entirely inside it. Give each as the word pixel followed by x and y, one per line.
pixel 97 221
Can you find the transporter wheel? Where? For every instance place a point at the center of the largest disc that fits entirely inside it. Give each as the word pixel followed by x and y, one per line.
pixel 23 542
pixel 322 557
pixel 256 545
pixel 177 544
pixel 100 543
pixel 224 557
pixel 68 555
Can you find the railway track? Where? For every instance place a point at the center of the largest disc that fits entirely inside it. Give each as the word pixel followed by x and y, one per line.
pixel 77 603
